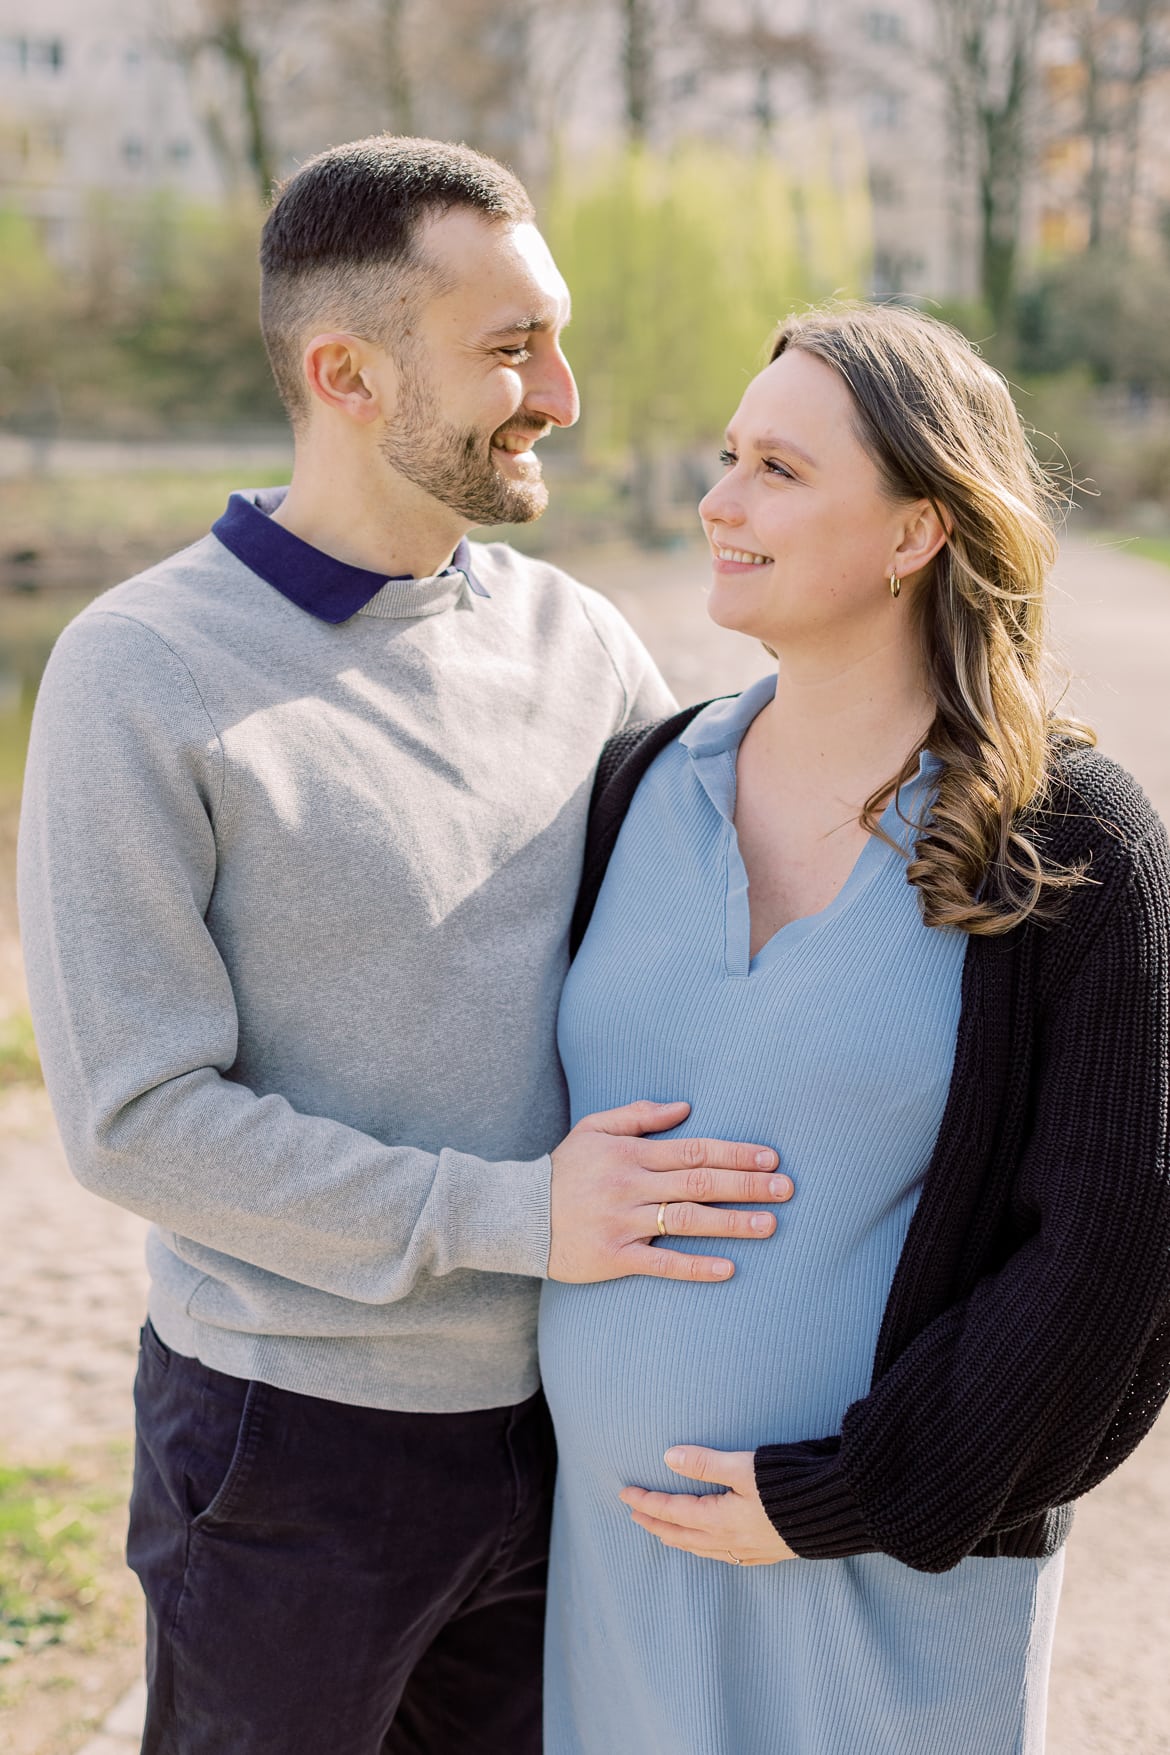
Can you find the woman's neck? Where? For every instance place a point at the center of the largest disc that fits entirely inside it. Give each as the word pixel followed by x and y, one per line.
pixel 846 725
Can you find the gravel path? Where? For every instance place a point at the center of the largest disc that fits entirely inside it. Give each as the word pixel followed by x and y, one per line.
pixel 72 1286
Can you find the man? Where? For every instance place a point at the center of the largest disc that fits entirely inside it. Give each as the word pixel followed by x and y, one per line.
pixel 304 817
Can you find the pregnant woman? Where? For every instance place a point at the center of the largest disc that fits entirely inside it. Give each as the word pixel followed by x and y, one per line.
pixel 891 913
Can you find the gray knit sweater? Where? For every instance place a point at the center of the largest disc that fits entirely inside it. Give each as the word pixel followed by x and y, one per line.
pixel 295 901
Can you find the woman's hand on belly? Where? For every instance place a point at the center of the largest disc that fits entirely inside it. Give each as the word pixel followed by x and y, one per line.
pixel 732 1526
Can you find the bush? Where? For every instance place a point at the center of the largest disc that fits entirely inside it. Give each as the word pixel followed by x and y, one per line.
pixel 154 328
pixel 680 266
pixel 1103 313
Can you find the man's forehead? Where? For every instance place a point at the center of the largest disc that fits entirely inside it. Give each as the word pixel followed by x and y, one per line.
pixel 504 269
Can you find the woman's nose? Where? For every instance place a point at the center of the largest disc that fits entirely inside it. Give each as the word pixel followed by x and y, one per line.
pixel 718 505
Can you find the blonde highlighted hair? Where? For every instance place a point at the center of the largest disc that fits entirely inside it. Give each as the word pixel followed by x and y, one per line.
pixel 941 426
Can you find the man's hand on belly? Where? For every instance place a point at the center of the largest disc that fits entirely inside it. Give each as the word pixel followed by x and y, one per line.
pixel 613 1190
pixel 732 1526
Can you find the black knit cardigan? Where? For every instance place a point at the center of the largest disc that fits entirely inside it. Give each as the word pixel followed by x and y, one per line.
pixel 1025 1346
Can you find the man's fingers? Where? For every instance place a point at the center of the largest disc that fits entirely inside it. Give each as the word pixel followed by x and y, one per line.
pixel 702 1156
pixel 637 1118
pixel 717 1185
pixel 673 1264
pixel 686 1219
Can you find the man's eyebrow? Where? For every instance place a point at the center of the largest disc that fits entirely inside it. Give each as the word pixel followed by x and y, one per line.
pixel 777 442
pixel 528 325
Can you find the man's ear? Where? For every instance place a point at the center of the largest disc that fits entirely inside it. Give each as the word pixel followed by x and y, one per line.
pixel 340 374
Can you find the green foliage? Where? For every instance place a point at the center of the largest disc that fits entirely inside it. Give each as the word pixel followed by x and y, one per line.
pixel 29 276
pixel 154 326
pixel 19 1062
pixel 1116 453
pixel 50 1533
pixel 1150 548
pixel 1104 312
pixel 33 313
pixel 680 266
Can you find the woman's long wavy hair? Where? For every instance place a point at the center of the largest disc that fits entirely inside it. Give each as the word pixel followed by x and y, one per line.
pixel 941 426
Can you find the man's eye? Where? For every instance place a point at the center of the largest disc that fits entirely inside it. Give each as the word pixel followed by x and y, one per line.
pixel 519 354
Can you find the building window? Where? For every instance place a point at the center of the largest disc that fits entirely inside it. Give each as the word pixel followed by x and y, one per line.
pixel 883 109
pixel 133 151
pixel 885 189
pixel 893 270
pixel 32 54
pixel 35 149
pixel 885 27
pixel 179 151
pixel 46 54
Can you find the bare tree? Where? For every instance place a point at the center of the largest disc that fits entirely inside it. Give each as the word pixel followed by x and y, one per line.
pixel 638 56
pixel 1138 53
pixel 988 60
pixel 395 66
pixel 227 34
pixel 369 55
pixel 760 50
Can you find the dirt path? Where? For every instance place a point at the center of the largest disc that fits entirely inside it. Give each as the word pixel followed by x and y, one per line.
pixel 71 1294
pixel 72 1283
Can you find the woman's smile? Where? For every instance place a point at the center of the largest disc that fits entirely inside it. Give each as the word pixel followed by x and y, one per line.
pixel 728 559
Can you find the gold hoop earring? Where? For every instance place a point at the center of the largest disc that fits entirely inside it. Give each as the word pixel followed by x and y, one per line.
pixel 895 585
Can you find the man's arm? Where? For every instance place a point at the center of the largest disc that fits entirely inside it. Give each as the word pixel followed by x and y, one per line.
pixel 138 1029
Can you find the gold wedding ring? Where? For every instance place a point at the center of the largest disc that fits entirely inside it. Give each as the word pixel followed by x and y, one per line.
pixel 662 1218
pixel 734 1558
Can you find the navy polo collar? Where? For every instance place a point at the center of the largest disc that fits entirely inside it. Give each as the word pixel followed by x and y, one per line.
pixel 328 588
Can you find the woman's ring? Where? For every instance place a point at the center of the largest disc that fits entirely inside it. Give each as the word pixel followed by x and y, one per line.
pixel 734 1558
pixel 662 1218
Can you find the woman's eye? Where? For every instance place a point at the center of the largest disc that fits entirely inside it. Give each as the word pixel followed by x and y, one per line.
pixel 727 458
pixel 778 469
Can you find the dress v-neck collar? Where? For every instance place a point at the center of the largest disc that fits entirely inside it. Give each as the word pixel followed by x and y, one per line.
pixel 712 741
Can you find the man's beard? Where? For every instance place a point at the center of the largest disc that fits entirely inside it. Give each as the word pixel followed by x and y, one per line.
pixel 454 464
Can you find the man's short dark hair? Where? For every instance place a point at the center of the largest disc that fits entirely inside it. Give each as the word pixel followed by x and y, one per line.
pixel 340 246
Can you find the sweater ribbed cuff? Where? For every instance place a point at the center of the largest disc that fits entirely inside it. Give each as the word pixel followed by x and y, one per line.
pixel 809 1500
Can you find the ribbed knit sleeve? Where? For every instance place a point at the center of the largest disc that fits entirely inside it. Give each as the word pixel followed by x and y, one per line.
pixel 1028 1391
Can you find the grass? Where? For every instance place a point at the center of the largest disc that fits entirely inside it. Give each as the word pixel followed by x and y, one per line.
pixel 160 511
pixel 166 508
pixel 70 1610
pixel 1152 548
pixel 19 1061
pixel 59 1525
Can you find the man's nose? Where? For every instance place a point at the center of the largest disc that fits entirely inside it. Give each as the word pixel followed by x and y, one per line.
pixel 554 395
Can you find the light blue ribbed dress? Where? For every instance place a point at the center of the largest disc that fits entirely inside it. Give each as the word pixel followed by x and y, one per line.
pixel 834 1044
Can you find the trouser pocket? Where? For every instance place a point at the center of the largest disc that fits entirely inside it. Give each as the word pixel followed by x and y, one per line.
pixel 198 1432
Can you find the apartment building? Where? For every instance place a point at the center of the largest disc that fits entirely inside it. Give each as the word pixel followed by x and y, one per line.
pixel 92 100
pixel 99 96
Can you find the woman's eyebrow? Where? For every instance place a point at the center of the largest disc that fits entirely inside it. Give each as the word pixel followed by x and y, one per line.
pixel 776 442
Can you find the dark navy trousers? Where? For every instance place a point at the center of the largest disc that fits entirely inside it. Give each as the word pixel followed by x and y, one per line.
pixel 329 1580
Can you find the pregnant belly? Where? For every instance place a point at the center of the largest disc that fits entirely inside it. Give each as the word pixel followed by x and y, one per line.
pixel 777 1354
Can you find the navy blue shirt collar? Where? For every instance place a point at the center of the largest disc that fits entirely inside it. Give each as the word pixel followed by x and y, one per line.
pixel 328 588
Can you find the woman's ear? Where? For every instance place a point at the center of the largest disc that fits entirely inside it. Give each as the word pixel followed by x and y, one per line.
pixel 340 374
pixel 924 533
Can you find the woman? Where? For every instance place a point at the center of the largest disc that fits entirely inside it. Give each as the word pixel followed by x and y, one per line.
pixel 888 911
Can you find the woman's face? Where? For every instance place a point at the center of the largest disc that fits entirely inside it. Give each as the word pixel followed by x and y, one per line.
pixel 803 540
